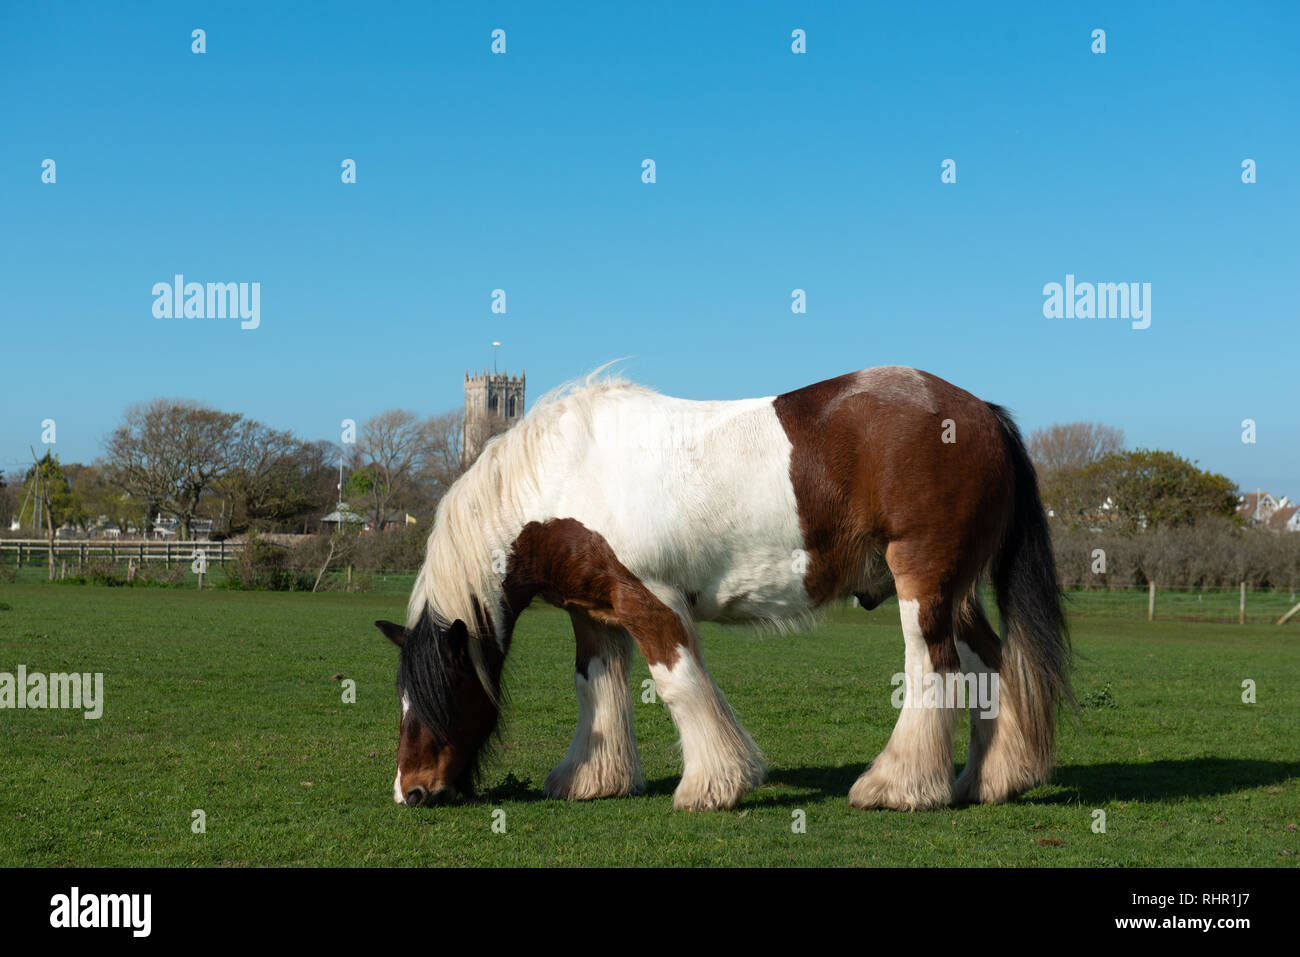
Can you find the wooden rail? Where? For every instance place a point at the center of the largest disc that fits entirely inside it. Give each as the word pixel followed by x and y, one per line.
pixel 20 551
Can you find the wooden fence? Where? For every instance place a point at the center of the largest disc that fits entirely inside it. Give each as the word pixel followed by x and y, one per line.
pixel 36 551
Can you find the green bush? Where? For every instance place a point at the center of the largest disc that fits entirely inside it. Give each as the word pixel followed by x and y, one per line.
pixel 265 566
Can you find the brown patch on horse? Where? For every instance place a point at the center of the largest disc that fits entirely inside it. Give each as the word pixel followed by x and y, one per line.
pixel 873 475
pixel 575 568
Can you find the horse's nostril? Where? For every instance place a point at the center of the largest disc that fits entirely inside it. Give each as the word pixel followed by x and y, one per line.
pixel 415 797
pixel 443 795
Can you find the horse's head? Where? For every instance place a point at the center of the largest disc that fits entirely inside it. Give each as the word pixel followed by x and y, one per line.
pixel 448 714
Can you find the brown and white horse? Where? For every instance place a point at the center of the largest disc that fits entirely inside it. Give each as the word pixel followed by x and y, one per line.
pixel 642 514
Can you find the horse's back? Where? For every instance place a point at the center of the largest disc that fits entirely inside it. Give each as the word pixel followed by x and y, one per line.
pixel 764 508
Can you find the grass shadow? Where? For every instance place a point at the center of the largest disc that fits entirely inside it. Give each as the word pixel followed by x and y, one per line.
pixel 1071 784
pixel 1096 783
pixel 1164 780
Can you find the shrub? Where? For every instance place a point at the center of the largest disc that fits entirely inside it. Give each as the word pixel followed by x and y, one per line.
pixel 265 566
pixel 1213 553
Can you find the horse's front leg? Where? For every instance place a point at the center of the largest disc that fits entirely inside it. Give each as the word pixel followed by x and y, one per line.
pixel 602 760
pixel 721 763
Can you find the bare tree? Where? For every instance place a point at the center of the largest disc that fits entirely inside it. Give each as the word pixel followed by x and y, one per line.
pixel 390 450
pixel 1073 445
pixel 444 438
pixel 168 452
pixel 272 477
pixel 1062 454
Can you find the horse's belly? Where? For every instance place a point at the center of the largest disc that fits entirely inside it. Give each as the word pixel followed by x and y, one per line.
pixel 762 590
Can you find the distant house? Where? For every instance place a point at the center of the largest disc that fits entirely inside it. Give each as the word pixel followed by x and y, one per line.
pixel 1257 508
pixel 343 515
pixel 392 520
pixel 166 528
pixel 1286 519
pixel 1267 511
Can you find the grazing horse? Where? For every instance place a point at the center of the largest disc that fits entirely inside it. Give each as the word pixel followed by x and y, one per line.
pixel 642 514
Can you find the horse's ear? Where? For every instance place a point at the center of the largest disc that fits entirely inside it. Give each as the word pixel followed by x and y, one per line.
pixel 393 632
pixel 457 636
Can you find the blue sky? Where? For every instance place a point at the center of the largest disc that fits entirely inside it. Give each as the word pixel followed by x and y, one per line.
pixel 775 171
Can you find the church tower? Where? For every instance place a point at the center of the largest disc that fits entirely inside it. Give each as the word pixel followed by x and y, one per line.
pixel 493 403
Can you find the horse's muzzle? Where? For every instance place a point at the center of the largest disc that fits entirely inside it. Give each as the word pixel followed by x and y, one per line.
pixel 421 797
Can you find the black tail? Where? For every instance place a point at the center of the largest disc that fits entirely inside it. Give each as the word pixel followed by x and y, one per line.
pixel 1035 673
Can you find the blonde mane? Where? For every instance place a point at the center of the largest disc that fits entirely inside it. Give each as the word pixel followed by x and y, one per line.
pixel 481 515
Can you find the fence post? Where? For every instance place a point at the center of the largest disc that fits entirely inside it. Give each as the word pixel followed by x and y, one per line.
pixel 1241 614
pixel 1151 602
pixel 20 554
pixel 1285 618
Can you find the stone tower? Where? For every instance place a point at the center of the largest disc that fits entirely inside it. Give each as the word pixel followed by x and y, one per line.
pixel 493 403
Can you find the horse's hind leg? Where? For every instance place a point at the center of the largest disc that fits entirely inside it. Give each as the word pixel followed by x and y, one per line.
pixel 602 760
pixel 981 655
pixel 1002 762
pixel 915 770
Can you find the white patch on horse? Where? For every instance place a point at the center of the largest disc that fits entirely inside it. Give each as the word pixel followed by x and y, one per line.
pixel 724 523
pixel 696 495
pixel 602 758
pixel 721 763
pixel 915 769
pixel 397 781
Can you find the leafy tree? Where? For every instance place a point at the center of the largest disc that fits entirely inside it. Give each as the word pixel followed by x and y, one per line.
pixel 1153 489
pixel 8 502
pixel 95 497
pixel 51 494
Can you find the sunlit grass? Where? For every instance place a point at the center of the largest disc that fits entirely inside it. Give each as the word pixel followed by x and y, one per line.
pixel 229 702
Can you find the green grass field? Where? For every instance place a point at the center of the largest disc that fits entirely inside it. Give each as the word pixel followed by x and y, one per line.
pixel 228 702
